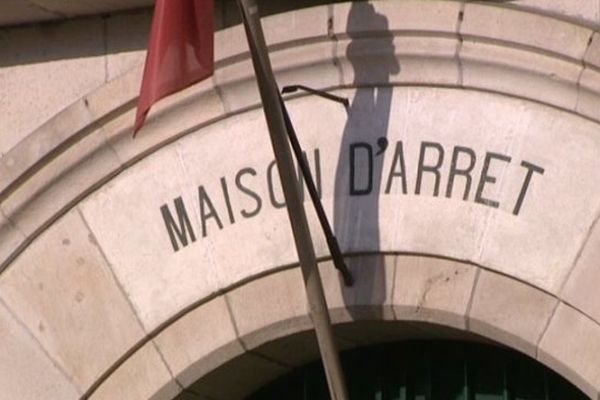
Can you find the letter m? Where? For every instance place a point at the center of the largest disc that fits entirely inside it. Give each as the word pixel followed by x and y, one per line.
pixel 178 232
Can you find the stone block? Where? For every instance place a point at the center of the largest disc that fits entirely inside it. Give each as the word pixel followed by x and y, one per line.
pixel 515 27
pixel 26 372
pixel 10 239
pixel 371 295
pixel 142 376
pixel 237 87
pixel 398 59
pixel 543 244
pixel 359 19
pixel 240 147
pixel 432 289
pixel 200 341
pixel 270 307
pixel 65 294
pixel 520 73
pixel 176 115
pixel 159 280
pixel 583 12
pixel 230 43
pixel 45 140
pixel 592 55
pixel 589 93
pixel 509 312
pixel 71 53
pixel 581 288
pixel 61 183
pixel 112 97
pixel 296 26
pixel 571 347
pixel 311 65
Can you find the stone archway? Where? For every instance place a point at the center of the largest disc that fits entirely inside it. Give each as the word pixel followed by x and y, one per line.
pixel 97 282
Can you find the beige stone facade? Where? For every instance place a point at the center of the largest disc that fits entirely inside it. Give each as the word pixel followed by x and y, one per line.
pixel 462 183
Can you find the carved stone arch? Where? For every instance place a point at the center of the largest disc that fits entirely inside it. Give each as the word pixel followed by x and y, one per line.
pixel 96 295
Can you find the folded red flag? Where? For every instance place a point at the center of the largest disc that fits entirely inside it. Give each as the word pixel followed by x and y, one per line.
pixel 180 53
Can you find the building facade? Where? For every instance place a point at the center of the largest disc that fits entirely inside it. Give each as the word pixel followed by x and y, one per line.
pixel 461 181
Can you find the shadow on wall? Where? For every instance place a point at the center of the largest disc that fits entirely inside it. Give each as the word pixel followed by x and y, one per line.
pixel 359 172
pixel 109 34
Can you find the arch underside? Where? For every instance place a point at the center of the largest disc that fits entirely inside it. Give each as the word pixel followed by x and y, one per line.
pixel 93 288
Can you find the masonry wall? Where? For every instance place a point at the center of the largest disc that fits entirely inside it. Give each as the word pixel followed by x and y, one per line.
pixel 101 298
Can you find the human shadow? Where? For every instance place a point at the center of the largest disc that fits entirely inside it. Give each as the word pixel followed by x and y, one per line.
pixel 359 171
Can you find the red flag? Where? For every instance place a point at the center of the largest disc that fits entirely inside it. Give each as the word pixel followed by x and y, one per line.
pixel 180 53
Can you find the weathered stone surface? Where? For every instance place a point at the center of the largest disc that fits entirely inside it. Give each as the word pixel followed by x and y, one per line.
pixel 143 376
pixel 523 28
pixel 269 308
pixel 159 281
pixel 582 11
pixel 571 346
pixel 10 236
pixel 49 192
pixel 589 92
pixel 564 145
pixel 520 72
pixel 237 86
pixel 114 95
pixel 543 239
pixel 297 25
pixel 371 295
pixel 31 55
pixel 259 228
pixel 412 15
pixel 200 341
pixel 43 141
pixel 509 311
pixel 65 294
pixel 581 288
pixel 440 219
pixel 431 289
pixel 315 66
pixel 592 55
pixel 385 60
pixel 173 116
pixel 25 371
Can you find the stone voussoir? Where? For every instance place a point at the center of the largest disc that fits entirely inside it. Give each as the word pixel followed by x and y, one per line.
pixel 509 311
pixel 571 346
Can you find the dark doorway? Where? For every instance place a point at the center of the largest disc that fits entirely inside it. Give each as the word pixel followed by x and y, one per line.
pixel 429 370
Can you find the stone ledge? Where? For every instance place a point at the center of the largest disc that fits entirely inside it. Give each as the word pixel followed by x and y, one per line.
pixel 143 376
pixel 571 346
pixel 525 29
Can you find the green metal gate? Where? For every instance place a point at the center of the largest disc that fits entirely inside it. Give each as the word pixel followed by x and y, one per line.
pixel 426 370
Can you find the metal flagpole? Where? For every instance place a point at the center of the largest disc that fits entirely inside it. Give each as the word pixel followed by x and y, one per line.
pixel 332 243
pixel 304 246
